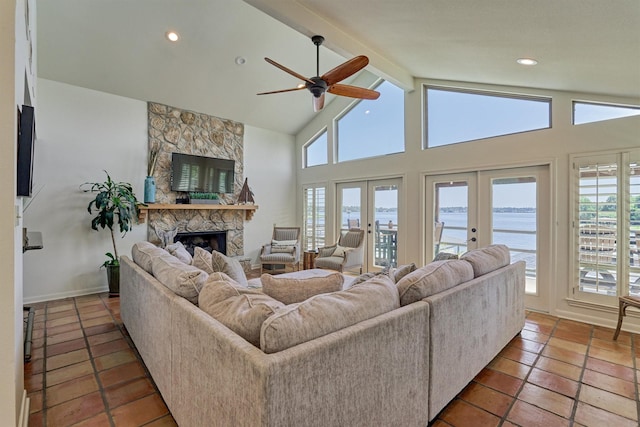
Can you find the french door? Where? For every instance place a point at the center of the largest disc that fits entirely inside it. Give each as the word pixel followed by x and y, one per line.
pixel 372 206
pixel 506 206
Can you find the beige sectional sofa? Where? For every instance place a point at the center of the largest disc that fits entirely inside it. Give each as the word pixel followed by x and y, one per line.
pixel 399 366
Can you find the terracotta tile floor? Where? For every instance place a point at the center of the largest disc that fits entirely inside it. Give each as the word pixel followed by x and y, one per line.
pixel 85 371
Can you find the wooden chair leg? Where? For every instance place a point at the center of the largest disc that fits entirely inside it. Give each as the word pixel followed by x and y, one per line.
pixel 621 313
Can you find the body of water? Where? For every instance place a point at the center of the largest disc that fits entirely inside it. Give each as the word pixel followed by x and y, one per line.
pixel 455 224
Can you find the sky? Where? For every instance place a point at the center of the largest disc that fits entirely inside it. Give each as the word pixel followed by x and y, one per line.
pixel 452 117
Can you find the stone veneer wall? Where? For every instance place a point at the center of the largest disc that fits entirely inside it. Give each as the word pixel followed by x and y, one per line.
pixel 187 132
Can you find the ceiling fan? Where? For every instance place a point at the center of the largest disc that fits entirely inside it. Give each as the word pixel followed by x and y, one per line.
pixel 329 81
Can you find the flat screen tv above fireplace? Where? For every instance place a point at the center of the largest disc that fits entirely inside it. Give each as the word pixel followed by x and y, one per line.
pixel 201 174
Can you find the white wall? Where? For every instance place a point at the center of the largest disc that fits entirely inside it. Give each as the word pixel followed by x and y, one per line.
pixel 550 146
pixel 16 84
pixel 10 280
pixel 80 133
pixel 269 164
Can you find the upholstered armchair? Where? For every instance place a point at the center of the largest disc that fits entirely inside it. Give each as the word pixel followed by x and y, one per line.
pixel 283 250
pixel 347 254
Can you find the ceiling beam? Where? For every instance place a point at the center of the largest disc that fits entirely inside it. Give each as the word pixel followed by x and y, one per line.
pixel 302 19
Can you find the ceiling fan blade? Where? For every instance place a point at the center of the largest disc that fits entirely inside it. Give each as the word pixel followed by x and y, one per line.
pixel 282 90
pixel 345 70
pixel 353 91
pixel 286 70
pixel 318 103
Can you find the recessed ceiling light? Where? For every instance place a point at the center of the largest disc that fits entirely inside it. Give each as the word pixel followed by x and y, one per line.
pixel 240 60
pixel 526 61
pixel 172 36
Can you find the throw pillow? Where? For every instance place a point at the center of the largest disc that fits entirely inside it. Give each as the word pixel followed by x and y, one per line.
pixel 340 251
pixel 202 259
pixel 143 253
pixel 179 251
pixel 442 256
pixel 366 276
pixel 398 273
pixel 487 259
pixel 183 279
pixel 433 278
pixel 229 266
pixel 285 246
pixel 289 290
pixel 326 313
pixel 240 309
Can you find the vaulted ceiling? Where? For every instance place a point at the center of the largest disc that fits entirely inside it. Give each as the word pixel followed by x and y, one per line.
pixel 119 47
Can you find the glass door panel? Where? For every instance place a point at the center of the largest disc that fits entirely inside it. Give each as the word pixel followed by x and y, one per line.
pixel 384 198
pixel 451 224
pixel 350 207
pixel 513 221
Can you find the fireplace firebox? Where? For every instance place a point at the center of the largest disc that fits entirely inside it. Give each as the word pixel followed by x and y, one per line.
pixel 208 240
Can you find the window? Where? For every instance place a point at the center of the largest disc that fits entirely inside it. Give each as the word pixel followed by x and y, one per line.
pixel 588 112
pixel 373 127
pixel 459 116
pixel 314 217
pixel 607 225
pixel 315 151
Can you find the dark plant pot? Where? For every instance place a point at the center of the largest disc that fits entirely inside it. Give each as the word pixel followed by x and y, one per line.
pixel 113 278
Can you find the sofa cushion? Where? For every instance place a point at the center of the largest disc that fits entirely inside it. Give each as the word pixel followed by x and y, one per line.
pixel 433 278
pixel 183 279
pixel 229 266
pixel 143 253
pixel 487 259
pixel 240 309
pixel 326 313
pixel 178 250
pixel 202 260
pixel 290 290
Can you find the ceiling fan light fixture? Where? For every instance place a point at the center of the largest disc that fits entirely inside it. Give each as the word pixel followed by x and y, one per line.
pixel 172 36
pixel 527 61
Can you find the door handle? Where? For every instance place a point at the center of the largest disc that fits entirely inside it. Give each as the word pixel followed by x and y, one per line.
pixel 473 239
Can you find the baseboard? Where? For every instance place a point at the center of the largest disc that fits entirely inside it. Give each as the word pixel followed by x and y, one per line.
pixel 23 420
pixel 599 321
pixel 62 295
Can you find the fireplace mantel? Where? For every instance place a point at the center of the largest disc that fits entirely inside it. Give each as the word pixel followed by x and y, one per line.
pixel 248 214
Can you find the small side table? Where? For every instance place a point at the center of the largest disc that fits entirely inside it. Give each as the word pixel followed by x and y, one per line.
pixel 309 260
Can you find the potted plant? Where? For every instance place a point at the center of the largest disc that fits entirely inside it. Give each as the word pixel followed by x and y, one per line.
pixel 204 198
pixel 114 204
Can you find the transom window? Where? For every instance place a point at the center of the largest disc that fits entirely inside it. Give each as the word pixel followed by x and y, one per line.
pixel 373 127
pixel 588 112
pixel 315 151
pixel 455 115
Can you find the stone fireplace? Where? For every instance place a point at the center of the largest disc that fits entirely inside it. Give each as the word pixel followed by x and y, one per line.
pixel 173 130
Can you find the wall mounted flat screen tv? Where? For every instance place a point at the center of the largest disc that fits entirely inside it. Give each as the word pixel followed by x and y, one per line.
pixel 26 135
pixel 201 174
